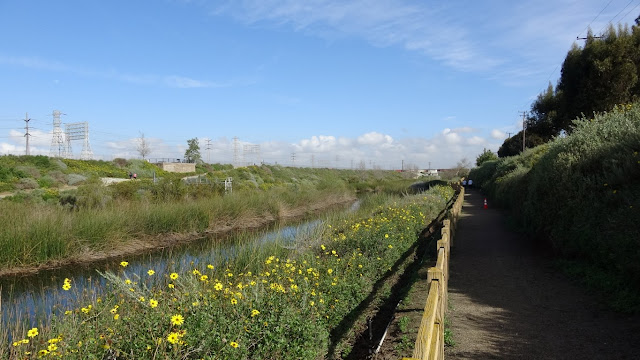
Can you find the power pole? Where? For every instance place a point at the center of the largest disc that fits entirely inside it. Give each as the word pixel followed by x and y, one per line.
pixel 26 134
pixel 293 159
pixel 524 129
pixel 402 168
pixel 509 134
pixel 208 151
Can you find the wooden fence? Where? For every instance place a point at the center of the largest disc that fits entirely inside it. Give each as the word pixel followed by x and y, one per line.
pixel 430 340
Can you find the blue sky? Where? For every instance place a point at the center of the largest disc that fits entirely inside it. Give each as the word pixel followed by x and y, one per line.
pixel 338 83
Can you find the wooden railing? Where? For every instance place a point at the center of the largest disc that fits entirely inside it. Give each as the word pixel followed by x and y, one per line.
pixel 430 340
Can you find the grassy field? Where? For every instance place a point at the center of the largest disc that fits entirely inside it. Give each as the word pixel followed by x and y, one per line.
pixel 269 302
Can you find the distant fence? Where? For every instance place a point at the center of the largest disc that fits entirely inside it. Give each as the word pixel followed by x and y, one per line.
pixel 430 340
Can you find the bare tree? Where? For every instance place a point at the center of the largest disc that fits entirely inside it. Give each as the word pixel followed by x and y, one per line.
pixel 143 147
pixel 462 167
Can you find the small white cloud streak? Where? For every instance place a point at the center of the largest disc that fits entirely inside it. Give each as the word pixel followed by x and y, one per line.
pixel 173 81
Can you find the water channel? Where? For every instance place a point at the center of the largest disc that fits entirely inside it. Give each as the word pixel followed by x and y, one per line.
pixel 32 299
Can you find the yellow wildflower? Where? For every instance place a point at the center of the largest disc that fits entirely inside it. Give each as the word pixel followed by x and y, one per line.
pixel 124 264
pixel 32 333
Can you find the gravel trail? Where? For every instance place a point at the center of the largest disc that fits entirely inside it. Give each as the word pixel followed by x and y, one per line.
pixel 508 301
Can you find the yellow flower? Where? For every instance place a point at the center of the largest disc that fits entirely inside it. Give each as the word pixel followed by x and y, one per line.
pixel 171 286
pixel 234 344
pixel 151 272
pixel 128 282
pixel 66 286
pixel 43 352
pixel 173 276
pixel 68 312
pixel 254 313
pixel 52 347
pixel 330 271
pixel 116 316
pixel 124 264
pixel 204 278
pixel 386 236
pixel 32 333
pixel 153 303
pixel 218 286
pixel 196 272
pixel 390 246
pixel 234 301
pixel 210 267
pixel 141 298
pixel 177 320
pixel 173 337
pixel 114 310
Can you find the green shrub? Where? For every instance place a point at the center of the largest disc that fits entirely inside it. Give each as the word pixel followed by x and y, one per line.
pixel 27 183
pixel 581 192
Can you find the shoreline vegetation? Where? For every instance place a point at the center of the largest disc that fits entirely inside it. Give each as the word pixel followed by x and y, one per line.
pixel 269 301
pixel 142 243
pixel 48 227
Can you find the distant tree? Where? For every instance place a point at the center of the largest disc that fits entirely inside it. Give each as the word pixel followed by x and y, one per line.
pixel 143 147
pixel 486 156
pixel 462 167
pixel 192 154
pixel 513 145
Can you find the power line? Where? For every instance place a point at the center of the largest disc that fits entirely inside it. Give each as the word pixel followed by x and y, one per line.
pixel 619 12
pixel 594 19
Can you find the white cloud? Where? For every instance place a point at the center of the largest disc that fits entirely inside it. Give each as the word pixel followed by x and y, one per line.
pixel 373 149
pixel 498 134
pixel 374 138
pixel 433 30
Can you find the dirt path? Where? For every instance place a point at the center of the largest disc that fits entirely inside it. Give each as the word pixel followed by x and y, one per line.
pixel 508 302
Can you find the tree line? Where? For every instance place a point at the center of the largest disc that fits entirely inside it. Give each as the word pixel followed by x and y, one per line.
pixel 595 78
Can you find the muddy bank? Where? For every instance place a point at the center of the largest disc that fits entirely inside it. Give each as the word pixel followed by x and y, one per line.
pixel 146 243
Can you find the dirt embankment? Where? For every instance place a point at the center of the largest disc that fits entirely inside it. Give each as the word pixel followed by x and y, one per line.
pixel 146 243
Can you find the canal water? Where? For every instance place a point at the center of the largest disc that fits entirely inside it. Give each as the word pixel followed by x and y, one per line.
pixel 32 299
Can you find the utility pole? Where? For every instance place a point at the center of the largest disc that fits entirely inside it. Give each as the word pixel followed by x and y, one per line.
pixel 509 134
pixel 524 129
pixel 402 168
pixel 293 159
pixel 26 134
pixel 208 151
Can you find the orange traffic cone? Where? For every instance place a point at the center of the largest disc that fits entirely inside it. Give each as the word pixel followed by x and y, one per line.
pixel 485 203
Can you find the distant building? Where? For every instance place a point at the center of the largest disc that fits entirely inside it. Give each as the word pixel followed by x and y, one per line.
pixel 430 173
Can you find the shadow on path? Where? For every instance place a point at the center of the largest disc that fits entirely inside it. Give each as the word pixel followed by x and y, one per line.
pixel 508 302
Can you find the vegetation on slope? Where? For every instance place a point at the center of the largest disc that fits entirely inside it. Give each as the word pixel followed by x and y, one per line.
pixel 582 192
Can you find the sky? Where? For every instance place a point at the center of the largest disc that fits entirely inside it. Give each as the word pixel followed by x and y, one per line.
pixel 324 83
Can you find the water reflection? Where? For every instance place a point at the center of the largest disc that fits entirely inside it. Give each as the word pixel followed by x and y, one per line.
pixel 33 299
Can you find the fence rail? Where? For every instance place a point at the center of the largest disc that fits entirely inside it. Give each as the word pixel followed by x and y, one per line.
pixel 430 340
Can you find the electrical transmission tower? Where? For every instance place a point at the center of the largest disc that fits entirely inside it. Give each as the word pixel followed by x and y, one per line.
pixel 293 159
pixel 58 148
pixel 79 131
pixel 236 152
pixel 26 133
pixel 208 151
pixel 251 153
